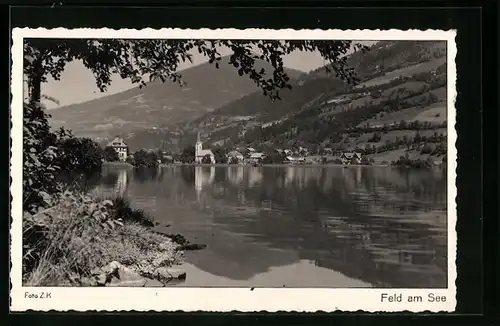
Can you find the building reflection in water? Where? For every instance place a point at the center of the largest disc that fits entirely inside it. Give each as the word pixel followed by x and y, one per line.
pixel 290 175
pixel 121 183
pixel 254 176
pixel 235 175
pixel 203 177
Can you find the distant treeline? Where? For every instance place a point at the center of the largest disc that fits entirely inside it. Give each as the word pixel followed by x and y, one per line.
pixel 406 162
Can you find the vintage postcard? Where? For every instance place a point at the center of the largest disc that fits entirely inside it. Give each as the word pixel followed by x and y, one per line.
pixel 233 170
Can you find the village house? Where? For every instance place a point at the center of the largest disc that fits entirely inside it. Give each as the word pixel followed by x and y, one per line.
pixel 234 155
pixel 294 160
pixel 350 158
pixel 302 151
pixel 249 151
pixel 256 157
pixel 166 157
pixel 120 147
pixel 200 153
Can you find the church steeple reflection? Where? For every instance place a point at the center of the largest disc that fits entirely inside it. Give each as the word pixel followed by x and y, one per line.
pixel 203 176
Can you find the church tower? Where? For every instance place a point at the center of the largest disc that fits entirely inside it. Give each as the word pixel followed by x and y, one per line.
pixel 198 147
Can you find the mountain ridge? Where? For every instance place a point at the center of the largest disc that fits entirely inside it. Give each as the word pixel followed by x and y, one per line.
pixel 159 104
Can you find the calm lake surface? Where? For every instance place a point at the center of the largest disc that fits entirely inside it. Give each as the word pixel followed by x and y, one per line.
pixel 298 226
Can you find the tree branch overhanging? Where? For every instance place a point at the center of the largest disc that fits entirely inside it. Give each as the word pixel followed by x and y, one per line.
pixel 160 59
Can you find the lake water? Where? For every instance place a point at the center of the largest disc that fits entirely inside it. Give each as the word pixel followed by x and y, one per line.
pixel 298 226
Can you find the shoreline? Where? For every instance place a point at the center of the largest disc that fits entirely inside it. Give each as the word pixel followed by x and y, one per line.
pixel 276 165
pixel 116 262
pixel 117 164
pixel 308 165
pixel 313 165
pixel 162 165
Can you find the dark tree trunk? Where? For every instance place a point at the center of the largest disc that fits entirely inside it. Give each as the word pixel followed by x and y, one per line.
pixel 35 84
pixel 35 81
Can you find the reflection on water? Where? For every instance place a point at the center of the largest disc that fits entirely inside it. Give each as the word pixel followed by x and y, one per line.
pixel 203 176
pixel 313 226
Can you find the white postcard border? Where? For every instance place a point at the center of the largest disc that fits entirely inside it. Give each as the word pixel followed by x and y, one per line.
pixel 223 299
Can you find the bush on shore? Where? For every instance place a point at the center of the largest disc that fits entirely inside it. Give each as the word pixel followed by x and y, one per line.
pixel 64 243
pixel 110 154
pixel 407 162
pixel 121 209
pixel 144 159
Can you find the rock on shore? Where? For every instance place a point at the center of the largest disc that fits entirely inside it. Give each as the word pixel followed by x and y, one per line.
pixel 116 275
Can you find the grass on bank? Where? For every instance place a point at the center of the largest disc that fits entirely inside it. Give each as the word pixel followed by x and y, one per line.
pixel 78 234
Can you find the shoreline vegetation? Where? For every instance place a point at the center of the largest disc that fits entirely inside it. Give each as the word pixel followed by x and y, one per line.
pixel 400 163
pixel 412 164
pixel 152 159
pixel 84 240
pixel 74 238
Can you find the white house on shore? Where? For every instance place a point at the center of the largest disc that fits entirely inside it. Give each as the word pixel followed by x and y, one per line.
pixel 200 153
pixel 120 147
pixel 256 157
pixel 295 160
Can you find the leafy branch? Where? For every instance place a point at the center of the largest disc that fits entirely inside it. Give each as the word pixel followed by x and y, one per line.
pixel 160 59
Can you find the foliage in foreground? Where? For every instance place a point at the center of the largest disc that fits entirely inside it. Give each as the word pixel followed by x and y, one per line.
pixel 63 244
pixel 39 157
pixel 46 154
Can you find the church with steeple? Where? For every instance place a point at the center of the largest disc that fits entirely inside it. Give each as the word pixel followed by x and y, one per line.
pixel 200 153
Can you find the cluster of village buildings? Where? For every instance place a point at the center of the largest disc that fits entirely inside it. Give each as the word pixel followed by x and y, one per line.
pixel 247 156
pixel 251 156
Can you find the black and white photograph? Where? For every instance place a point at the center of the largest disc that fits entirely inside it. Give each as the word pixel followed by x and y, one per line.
pixel 229 162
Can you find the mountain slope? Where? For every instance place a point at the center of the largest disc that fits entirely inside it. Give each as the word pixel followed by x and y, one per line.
pixel 401 81
pixel 383 58
pixel 159 104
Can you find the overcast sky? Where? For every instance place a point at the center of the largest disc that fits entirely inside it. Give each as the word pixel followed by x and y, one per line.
pixel 77 84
